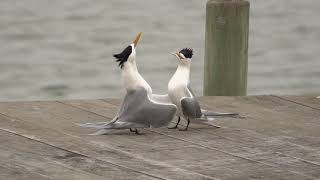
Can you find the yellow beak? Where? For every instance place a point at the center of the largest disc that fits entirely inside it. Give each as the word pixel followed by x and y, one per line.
pixel 136 40
pixel 177 55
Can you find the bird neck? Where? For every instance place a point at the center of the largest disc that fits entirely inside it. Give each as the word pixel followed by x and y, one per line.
pixel 131 77
pixel 182 75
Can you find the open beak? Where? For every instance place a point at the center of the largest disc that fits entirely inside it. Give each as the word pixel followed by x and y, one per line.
pixel 136 40
pixel 177 55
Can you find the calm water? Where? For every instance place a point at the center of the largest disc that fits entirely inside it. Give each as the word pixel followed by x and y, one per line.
pixel 63 49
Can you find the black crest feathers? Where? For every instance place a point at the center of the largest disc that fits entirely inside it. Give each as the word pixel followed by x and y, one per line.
pixel 123 56
pixel 187 52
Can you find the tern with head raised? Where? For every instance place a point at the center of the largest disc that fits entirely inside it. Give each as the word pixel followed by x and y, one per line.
pixel 139 108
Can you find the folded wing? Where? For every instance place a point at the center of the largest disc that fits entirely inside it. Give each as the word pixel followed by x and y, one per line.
pixel 191 107
pixel 137 110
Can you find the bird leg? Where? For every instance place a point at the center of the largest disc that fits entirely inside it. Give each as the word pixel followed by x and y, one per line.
pixel 186 128
pixel 176 126
pixel 135 130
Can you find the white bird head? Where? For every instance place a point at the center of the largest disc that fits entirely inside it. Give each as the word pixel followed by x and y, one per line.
pixel 129 53
pixel 184 56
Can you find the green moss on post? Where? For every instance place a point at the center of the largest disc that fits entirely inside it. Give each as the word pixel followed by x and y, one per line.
pixel 226 48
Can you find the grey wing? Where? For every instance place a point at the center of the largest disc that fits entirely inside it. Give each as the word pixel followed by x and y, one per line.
pixel 160 114
pixel 128 114
pixel 191 107
pixel 138 111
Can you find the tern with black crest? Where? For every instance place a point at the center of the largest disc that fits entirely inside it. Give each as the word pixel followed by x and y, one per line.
pixel 139 108
pixel 182 96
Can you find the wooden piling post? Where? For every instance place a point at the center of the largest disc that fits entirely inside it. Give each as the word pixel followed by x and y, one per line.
pixel 226 48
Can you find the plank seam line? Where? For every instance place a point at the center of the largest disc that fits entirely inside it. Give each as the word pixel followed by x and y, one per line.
pixel 306 161
pixel 231 154
pixel 74 152
pixel 80 154
pixel 84 109
pixel 109 102
pixel 202 175
pixel 229 139
pixel 207 147
pixel 270 137
pixel 212 148
pixel 205 176
pixel 301 104
pixel 293 144
pixel 248 130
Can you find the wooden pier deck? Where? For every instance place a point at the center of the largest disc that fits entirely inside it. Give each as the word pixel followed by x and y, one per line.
pixel 277 138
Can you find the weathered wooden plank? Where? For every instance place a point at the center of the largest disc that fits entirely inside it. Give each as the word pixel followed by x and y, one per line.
pixel 124 148
pixel 100 149
pixel 271 116
pixel 56 163
pixel 113 101
pixel 252 151
pixel 284 146
pixel 22 152
pixel 302 147
pixel 224 171
pixel 184 147
pixel 96 109
pixel 15 172
pixel 105 109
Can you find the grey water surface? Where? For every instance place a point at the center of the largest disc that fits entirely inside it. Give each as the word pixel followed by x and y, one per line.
pixel 57 49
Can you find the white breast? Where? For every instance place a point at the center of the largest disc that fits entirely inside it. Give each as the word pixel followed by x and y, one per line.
pixel 132 79
pixel 177 87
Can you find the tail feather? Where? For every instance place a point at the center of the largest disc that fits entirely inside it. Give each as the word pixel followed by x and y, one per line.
pixel 97 125
pixel 211 113
pixel 101 132
pixel 205 118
